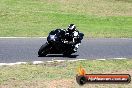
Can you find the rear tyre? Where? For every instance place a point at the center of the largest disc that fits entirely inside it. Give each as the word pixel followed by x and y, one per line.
pixel 42 50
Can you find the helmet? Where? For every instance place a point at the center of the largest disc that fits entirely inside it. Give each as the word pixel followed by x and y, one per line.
pixel 71 27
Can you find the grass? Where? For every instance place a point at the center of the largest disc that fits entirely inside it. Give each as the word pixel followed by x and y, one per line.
pixel 96 18
pixel 50 74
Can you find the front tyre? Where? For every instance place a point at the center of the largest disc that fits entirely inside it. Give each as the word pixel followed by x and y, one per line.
pixel 43 49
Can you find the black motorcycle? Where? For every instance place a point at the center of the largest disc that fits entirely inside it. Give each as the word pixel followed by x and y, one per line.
pixel 56 44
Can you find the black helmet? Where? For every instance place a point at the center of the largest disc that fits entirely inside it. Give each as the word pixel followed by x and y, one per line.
pixel 71 27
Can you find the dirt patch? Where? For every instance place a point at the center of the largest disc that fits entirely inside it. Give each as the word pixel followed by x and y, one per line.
pixel 63 83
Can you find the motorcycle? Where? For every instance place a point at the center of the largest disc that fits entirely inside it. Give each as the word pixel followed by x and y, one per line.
pixel 56 44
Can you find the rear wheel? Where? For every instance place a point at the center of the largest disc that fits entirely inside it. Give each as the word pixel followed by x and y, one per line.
pixel 43 50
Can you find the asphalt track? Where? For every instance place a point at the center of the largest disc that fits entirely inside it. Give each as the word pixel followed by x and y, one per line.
pixel 25 49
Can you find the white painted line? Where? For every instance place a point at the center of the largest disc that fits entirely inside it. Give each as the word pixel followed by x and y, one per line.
pixel 20 37
pixel 38 62
pixel 10 64
pixel 21 62
pixel 1 64
pixel 119 58
pixel 56 61
pixel 59 60
pixel 66 60
pixel 76 60
pixel 49 61
pixel 100 59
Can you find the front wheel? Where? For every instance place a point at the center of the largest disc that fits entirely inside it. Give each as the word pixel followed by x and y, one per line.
pixel 43 49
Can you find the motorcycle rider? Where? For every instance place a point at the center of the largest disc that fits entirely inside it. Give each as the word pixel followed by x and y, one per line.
pixel 72 36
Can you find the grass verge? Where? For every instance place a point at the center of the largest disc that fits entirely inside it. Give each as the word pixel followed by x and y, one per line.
pixel 60 74
pixel 95 18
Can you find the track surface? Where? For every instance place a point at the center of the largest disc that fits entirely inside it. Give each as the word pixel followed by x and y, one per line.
pixel 25 49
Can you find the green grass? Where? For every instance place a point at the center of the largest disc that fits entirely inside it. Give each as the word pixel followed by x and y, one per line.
pixel 96 18
pixel 47 74
pixel 60 70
